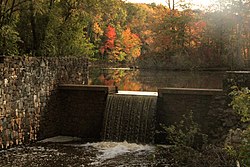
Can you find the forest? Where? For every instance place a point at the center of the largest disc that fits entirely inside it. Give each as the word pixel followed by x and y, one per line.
pixel 114 31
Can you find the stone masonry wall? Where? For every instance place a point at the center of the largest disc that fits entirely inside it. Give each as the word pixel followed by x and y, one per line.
pixel 28 95
pixel 236 78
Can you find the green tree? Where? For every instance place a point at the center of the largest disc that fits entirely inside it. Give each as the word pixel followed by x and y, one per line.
pixel 65 33
pixel 9 36
pixel 9 40
pixel 8 10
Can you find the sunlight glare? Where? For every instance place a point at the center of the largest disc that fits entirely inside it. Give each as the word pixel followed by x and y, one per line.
pixel 204 3
pixel 197 3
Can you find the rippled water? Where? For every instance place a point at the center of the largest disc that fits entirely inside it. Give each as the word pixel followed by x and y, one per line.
pixel 89 154
pixel 110 154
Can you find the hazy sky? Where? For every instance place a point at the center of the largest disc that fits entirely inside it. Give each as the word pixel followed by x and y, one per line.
pixel 196 2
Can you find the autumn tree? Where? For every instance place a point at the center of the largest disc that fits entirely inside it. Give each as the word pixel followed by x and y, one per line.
pixel 143 19
pixel 113 30
pixel 132 45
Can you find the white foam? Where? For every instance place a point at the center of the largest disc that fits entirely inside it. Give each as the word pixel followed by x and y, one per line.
pixel 117 68
pixel 110 150
pixel 140 93
pixel 60 139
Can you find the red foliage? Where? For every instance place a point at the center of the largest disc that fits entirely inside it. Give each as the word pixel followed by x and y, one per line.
pixel 200 24
pixel 111 36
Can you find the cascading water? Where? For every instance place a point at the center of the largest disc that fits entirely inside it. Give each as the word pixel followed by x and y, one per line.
pixel 130 118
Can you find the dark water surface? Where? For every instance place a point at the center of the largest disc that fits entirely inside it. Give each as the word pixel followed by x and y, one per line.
pixel 111 154
pixel 152 80
pixel 79 155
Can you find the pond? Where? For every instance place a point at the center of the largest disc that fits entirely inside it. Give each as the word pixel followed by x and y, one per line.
pixel 151 80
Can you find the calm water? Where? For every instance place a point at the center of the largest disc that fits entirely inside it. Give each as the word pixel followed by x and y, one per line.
pixel 151 80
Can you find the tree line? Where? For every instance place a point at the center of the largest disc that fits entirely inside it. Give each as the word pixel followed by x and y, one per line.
pixel 149 35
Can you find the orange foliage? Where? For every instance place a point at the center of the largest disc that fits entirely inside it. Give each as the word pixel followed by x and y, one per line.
pixel 97 29
pixel 132 43
pixel 124 80
pixel 105 81
pixel 132 86
pixel 196 31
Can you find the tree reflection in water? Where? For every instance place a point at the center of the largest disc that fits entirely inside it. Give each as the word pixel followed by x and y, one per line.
pixel 151 80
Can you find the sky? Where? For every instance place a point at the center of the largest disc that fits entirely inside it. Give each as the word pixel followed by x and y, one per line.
pixel 203 3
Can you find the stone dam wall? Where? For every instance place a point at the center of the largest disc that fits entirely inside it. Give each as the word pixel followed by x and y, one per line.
pixel 85 107
pixel 28 95
pixel 82 110
pixel 46 97
pixel 209 110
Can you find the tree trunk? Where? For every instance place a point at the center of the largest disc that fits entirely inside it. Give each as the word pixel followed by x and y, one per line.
pixel 33 28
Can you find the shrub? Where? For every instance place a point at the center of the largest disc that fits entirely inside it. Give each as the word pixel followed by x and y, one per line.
pixel 185 133
pixel 241 102
pixel 241 105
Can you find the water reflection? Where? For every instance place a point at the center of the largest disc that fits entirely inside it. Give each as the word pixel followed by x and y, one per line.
pixel 151 80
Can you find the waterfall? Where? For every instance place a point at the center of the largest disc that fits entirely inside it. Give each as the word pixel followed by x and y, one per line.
pixel 130 118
